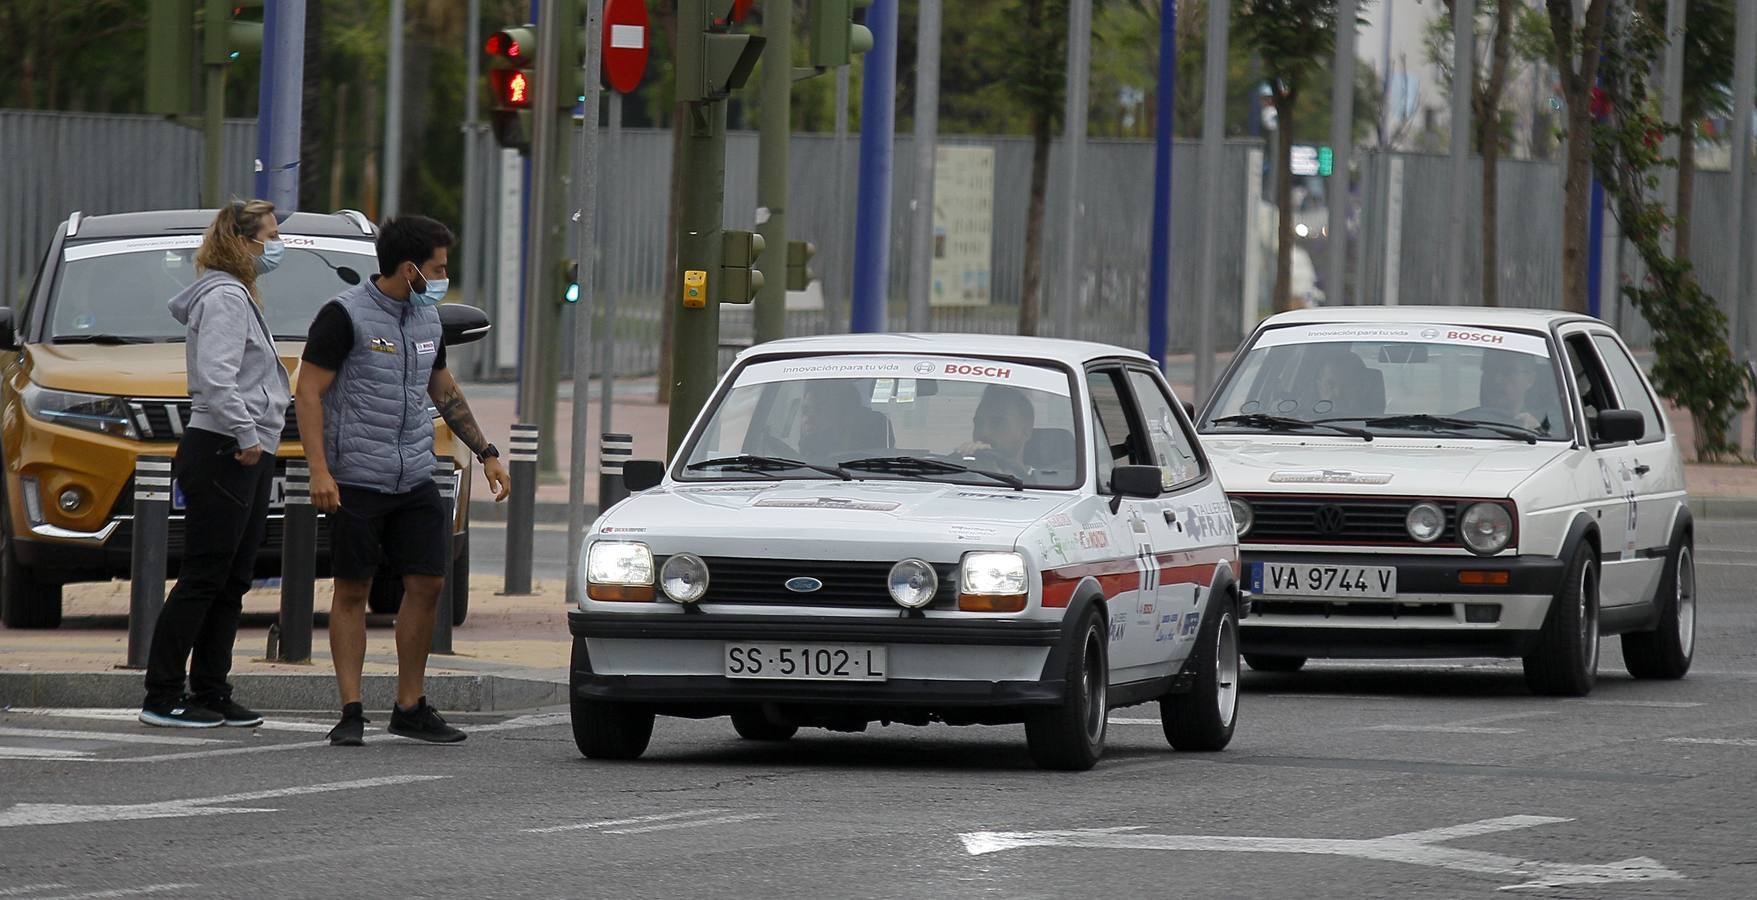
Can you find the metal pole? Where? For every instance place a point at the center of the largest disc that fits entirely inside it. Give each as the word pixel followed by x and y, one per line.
pixel 872 225
pixel 845 256
pixel 699 234
pixel 1079 80
pixel 773 133
pixel 521 508
pixel 1159 261
pixel 927 128
pixel 1672 111
pixel 393 113
pixel 146 577
pixel 1213 137
pixel 265 99
pixel 281 164
pixel 585 252
pixel 1341 146
pixel 612 274
pixel 1385 77
pixel 1463 86
pixel 298 565
pixel 1742 284
pixel 213 151
pixel 475 223
pixel 613 451
pixel 545 232
pixel 444 477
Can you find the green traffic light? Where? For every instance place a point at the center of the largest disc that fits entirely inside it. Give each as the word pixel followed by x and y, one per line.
pixel 573 293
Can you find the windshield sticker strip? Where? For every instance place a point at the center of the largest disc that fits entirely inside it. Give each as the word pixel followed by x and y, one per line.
pixel 1493 338
pixel 906 368
pixel 188 241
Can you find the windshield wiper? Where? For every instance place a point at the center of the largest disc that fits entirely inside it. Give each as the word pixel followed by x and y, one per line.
pixel 915 465
pixel 1288 423
pixel 1433 423
pixel 764 465
pixel 99 339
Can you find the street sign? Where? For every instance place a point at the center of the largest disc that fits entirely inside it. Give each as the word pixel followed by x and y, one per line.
pixel 625 43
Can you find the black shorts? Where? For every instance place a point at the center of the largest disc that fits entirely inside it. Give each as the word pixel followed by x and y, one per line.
pixel 403 532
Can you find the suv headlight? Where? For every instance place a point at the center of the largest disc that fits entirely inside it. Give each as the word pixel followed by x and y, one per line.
pixel 992 582
pixel 89 412
pixel 619 570
pixel 1486 528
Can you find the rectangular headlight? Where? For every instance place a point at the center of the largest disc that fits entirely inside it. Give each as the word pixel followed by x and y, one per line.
pixel 90 412
pixel 619 570
pixel 992 582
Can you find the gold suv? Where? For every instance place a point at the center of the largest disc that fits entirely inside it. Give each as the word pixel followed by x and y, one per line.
pixel 94 377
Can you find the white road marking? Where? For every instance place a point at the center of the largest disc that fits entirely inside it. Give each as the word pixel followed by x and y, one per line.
pixel 581 826
pixel 41 753
pixel 114 737
pixel 723 820
pixel 29 889
pixel 1415 848
pixel 1120 720
pixel 132 715
pixel 123 892
pixel 1645 704
pixel 22 814
pixel 1721 742
pixel 1443 729
pixel 537 720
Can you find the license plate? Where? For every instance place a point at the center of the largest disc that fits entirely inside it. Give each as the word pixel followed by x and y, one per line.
pixel 277 494
pixel 1287 580
pixel 806 662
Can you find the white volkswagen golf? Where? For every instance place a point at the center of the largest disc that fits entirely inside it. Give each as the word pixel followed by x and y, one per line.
pixel 1453 482
pixel 913 529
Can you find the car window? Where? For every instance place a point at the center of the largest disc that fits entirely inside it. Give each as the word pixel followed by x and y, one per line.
pixel 1632 390
pixel 917 414
pixel 1589 379
pixel 1380 376
pixel 1118 442
pixel 1173 448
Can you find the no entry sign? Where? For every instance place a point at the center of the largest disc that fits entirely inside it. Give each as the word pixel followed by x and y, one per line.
pixel 625 43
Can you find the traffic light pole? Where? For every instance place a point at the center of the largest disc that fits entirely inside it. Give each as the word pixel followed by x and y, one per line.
pixel 540 346
pixel 696 348
pixel 771 179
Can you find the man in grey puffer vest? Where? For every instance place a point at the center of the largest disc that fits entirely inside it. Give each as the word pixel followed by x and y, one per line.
pixel 373 359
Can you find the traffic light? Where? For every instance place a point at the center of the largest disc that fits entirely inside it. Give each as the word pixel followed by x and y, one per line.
pixel 512 56
pixel 225 34
pixel 835 39
pixel 740 280
pixel 570 276
pixel 173 55
pixel 721 60
pixel 799 273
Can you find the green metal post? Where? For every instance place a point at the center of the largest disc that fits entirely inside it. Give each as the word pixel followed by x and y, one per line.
pixel 771 179
pixel 170 55
pixel 215 14
pixel 696 349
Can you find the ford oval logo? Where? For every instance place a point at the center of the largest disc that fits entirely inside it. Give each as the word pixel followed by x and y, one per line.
pixel 803 584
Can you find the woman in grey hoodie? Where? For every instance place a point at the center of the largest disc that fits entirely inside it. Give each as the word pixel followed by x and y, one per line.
pixel 225 464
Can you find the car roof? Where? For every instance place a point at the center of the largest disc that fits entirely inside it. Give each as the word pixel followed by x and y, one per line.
pixel 1492 317
pixel 345 223
pixel 1070 353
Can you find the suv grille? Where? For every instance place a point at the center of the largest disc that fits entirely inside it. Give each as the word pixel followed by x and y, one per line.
pixel 845 584
pixel 1338 520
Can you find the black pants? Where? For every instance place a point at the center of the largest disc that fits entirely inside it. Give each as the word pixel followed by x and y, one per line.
pixel 225 519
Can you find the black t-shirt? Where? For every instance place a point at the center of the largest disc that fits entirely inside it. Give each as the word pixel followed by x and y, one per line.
pixel 332 339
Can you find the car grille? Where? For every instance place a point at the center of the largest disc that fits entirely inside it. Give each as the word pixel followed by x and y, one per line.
pixel 1336 520
pixel 845 583
pixel 164 420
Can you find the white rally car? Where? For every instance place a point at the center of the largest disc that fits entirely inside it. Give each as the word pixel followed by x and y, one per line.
pixel 1453 482
pixel 965 529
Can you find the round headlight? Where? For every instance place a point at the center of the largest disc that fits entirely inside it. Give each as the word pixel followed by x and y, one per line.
pixel 684 578
pixel 1426 522
pixel 1242 518
pixel 913 583
pixel 1486 528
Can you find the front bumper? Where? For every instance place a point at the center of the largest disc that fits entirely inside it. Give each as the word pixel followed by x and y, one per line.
pixel 1433 615
pixel 675 663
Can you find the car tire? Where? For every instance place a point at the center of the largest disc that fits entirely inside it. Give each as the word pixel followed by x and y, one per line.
pixel 26 601
pixel 460 580
pixel 386 597
pixel 605 730
pixel 1070 735
pixel 1666 651
pixel 1202 719
pixel 752 725
pixel 1564 663
pixel 1262 662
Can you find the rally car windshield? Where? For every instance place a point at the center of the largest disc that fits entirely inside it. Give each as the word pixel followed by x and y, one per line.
pixel 938 419
pixel 1396 381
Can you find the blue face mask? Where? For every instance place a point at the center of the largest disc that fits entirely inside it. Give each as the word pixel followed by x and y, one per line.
pixel 431 294
pixel 272 251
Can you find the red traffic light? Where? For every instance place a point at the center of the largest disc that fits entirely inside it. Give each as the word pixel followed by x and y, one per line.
pixel 513 45
pixel 512 87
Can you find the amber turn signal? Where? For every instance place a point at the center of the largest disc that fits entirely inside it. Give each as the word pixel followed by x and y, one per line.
pixel 991 603
pixel 1492 577
pixel 631 593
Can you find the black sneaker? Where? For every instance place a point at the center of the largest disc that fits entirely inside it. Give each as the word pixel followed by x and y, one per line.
pixel 182 714
pixel 234 714
pixel 351 730
pixel 423 723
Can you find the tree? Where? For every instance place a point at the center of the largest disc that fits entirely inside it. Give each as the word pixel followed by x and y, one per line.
pixel 1708 71
pixel 1035 66
pixel 1293 38
pixel 1577 55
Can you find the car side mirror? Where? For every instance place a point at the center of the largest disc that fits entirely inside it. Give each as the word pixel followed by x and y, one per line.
pixel 1619 426
pixel 8 336
pixel 462 323
pixel 642 474
pixel 1139 482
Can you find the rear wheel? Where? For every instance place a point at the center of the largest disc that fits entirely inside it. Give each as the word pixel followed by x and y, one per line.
pixel 26 601
pixel 752 725
pixel 1203 719
pixel 1266 663
pixel 1070 736
pixel 1666 651
pixel 1565 661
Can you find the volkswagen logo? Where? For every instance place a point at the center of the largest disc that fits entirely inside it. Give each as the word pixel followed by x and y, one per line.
pixel 1329 519
pixel 803 584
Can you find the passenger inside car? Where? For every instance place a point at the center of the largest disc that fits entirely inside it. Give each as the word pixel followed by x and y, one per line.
pixel 1002 427
pixel 833 422
pixel 1508 380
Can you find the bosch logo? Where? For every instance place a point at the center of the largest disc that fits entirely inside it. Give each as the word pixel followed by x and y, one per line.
pixel 923 368
pixel 979 371
pixel 1476 337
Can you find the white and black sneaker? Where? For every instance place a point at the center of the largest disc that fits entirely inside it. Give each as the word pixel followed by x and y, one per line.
pixel 234 714
pixel 182 714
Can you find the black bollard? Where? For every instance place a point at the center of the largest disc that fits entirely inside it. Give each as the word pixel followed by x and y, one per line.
pixel 521 512
pixel 613 451
pixel 152 527
pixel 298 565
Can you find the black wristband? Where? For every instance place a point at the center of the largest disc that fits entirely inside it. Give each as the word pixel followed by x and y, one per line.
pixel 489 452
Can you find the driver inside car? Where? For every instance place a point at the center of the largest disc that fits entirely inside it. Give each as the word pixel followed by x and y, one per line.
pixel 1507 379
pixel 1001 428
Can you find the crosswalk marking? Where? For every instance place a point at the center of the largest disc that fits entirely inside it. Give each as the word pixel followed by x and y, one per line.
pixel 723 820
pixel 108 736
pixel 41 753
pixel 581 826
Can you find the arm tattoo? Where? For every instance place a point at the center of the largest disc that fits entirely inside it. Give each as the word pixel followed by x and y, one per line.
pixel 457 415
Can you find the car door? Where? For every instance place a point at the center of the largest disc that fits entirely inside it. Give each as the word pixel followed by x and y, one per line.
pixel 1130 527
pixel 1657 465
pixel 1611 497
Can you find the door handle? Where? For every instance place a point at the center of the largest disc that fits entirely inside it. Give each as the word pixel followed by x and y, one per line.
pixel 1642 469
pixel 1171 519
